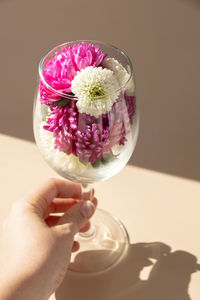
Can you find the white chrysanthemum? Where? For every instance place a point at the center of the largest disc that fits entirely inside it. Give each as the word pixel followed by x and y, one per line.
pixel 62 162
pixel 96 90
pixel 45 111
pixel 120 72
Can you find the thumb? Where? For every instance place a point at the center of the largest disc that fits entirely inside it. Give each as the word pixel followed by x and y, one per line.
pixel 77 216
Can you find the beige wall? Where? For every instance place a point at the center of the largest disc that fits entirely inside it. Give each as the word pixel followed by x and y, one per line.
pixel 162 37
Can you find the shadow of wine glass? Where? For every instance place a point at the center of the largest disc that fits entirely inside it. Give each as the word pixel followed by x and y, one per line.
pixel 169 277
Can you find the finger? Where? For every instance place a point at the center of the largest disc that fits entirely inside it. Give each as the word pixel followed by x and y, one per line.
pixel 88 195
pixel 85 227
pixel 76 216
pixel 95 201
pixel 52 220
pixel 59 205
pixel 75 246
pixel 53 188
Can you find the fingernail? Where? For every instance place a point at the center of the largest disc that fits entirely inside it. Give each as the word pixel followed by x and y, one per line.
pixel 87 209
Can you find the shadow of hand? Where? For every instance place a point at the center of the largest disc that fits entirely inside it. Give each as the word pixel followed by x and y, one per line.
pixel 168 279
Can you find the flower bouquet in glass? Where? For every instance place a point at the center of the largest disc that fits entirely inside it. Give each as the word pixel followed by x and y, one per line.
pixel 86 127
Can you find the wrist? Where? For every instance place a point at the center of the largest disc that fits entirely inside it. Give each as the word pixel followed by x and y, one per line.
pixel 20 287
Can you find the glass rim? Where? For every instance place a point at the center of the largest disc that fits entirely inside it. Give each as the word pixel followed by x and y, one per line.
pixel 98 43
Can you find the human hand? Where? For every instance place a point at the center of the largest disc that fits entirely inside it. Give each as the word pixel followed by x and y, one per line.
pixel 36 245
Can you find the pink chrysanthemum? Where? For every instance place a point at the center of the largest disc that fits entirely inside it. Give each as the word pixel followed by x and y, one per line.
pixel 46 95
pixel 87 137
pixel 62 68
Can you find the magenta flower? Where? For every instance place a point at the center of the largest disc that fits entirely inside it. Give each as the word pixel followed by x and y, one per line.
pixel 46 95
pixel 61 69
pixel 91 139
pixel 131 106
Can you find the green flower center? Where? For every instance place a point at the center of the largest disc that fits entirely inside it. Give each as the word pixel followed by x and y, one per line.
pixel 96 91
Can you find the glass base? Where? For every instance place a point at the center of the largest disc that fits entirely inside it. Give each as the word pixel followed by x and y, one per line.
pixel 102 246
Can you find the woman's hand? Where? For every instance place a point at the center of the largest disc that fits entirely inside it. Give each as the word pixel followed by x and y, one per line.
pixel 36 246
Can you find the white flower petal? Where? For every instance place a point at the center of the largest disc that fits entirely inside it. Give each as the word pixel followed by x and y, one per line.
pixel 96 90
pixel 60 160
pixel 120 72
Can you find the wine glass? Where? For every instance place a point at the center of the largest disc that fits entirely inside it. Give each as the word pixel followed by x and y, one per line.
pixel 86 126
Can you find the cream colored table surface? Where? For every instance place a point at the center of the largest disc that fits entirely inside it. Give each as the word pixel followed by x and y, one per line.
pixel 154 208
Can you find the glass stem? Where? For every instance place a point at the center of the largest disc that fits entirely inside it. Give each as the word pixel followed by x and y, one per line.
pixel 87 194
